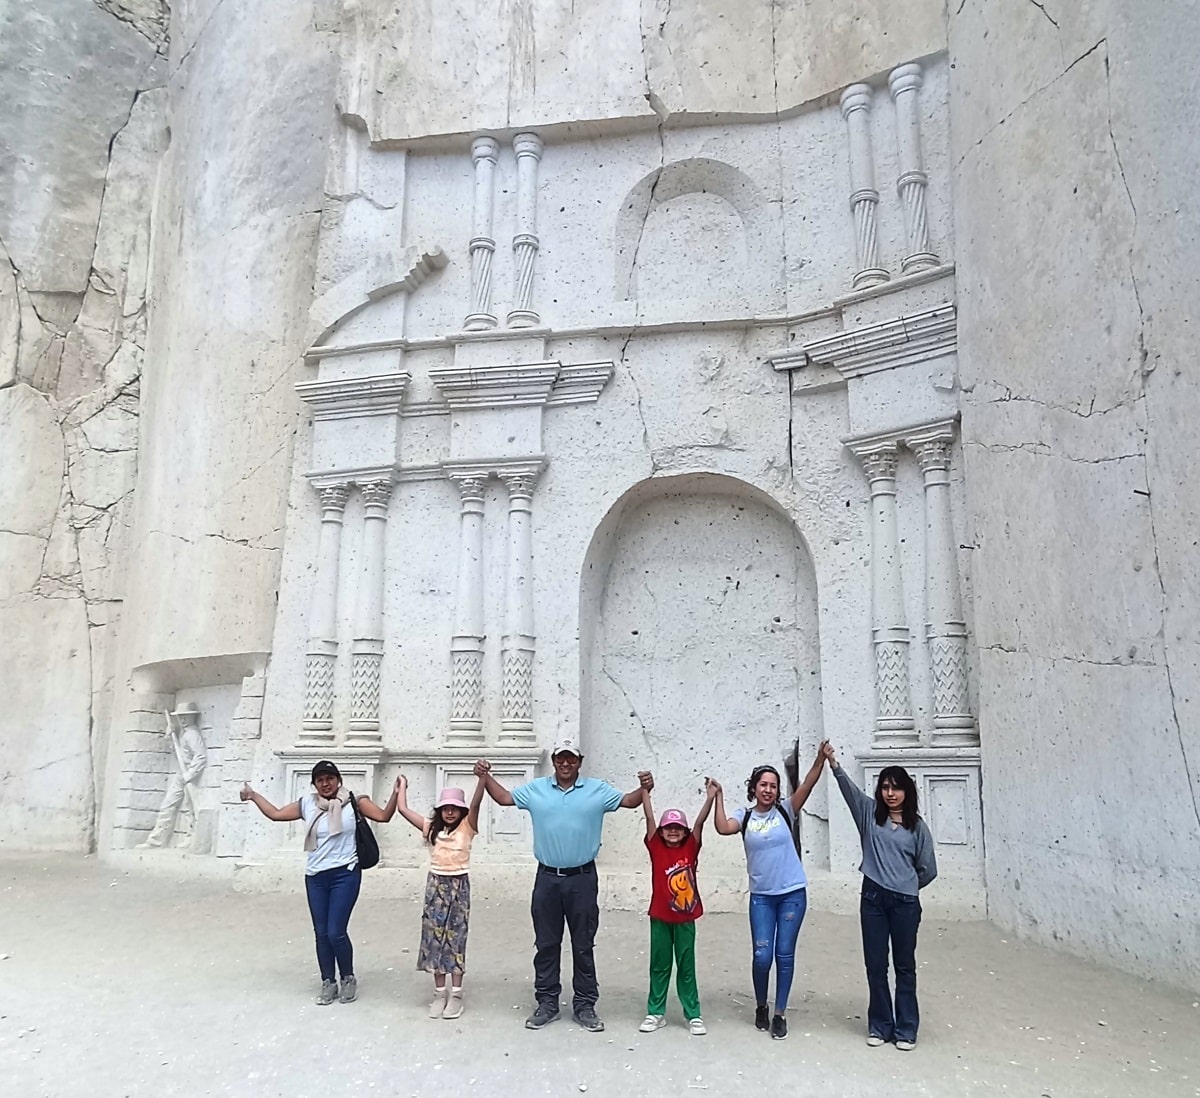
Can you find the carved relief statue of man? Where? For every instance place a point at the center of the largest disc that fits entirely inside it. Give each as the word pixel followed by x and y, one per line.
pixel 190 756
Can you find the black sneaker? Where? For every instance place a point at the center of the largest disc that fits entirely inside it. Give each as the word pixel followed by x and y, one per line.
pixel 778 1027
pixel 762 1018
pixel 590 1020
pixel 543 1016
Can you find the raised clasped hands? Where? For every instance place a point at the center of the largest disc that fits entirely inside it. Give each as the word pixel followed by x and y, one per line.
pixel 646 780
pixel 482 768
pixel 712 787
pixel 827 753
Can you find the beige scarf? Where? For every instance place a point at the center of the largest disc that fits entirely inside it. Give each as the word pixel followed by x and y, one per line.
pixel 335 818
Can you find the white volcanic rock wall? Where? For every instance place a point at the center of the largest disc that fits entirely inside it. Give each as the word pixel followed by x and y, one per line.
pixel 1078 227
pixel 79 149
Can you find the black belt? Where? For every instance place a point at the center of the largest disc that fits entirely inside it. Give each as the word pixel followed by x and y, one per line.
pixel 573 871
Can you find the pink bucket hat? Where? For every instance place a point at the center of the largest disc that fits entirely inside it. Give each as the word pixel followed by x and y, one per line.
pixel 451 798
pixel 672 818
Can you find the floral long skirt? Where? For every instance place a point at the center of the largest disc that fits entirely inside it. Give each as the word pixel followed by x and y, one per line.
pixel 444 925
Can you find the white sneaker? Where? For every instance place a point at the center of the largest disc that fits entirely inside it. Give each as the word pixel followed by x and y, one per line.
pixel 697 1028
pixel 438 1003
pixel 874 1041
pixel 652 1022
pixel 906 1046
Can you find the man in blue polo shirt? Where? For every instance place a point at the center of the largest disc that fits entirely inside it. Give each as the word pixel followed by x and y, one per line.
pixel 567 813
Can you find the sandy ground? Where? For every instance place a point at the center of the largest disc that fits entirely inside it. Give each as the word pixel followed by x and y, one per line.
pixel 114 984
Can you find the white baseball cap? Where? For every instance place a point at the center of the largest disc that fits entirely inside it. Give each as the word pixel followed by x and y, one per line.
pixel 566 745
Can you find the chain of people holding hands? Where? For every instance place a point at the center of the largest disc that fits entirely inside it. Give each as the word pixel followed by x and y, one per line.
pixel 567 813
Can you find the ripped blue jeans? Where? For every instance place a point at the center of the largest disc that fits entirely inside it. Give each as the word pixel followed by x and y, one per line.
pixel 774 927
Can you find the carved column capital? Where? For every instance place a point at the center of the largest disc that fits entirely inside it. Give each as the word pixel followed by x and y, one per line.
pixel 376 494
pixel 485 148
pixel 905 78
pixel 334 498
pixel 879 462
pixel 857 97
pixel 470 486
pixel 528 144
pixel 933 455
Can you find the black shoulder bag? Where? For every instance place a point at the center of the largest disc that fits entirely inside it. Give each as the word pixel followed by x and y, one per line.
pixel 364 839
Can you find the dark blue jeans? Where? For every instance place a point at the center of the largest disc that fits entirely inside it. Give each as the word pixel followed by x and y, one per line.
pixel 774 927
pixel 332 894
pixel 890 916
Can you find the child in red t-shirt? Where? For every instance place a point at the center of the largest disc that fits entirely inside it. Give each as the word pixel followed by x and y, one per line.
pixel 674 908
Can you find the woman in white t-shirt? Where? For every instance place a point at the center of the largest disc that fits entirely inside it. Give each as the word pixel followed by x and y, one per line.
pixel 449 832
pixel 332 876
pixel 778 885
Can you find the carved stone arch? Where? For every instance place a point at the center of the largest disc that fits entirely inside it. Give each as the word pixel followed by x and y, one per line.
pixel 699 645
pixel 721 226
pixel 384 276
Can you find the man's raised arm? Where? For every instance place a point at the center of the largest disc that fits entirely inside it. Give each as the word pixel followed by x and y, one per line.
pixel 483 769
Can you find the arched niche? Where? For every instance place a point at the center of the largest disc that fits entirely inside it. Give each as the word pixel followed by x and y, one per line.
pixel 699 648
pixel 698 230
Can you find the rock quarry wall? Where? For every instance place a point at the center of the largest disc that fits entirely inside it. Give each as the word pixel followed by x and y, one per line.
pixel 182 183
pixel 1077 220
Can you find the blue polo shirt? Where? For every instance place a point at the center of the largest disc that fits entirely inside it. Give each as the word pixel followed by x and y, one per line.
pixel 566 823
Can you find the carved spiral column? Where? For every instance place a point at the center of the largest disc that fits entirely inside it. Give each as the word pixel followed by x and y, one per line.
pixel 945 629
pixel 864 198
pixel 893 713
pixel 528 149
pixel 905 83
pixel 484 151
pixel 466 646
pixel 321 657
pixel 518 645
pixel 368 633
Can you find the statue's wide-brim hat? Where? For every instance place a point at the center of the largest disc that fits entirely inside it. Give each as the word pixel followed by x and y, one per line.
pixel 186 709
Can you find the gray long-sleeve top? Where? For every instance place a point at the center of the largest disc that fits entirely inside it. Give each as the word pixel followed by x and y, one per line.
pixel 893 857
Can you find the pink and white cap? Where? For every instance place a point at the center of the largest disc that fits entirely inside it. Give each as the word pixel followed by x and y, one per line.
pixel 672 818
pixel 451 798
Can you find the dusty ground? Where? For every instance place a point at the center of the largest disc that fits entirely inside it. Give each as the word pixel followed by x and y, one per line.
pixel 113 984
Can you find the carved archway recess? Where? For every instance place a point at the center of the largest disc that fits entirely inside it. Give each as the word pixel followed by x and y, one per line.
pixel 699 647
pixel 751 229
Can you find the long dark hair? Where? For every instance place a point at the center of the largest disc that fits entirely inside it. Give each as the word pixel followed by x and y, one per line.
pixel 902 780
pixel 438 824
pixel 756 776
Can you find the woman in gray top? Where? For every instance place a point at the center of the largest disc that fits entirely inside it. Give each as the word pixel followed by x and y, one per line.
pixel 898 860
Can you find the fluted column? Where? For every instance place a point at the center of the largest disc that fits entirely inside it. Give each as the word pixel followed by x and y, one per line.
pixel 368 627
pixel 484 151
pixel 905 84
pixel 466 646
pixel 528 150
pixel 518 645
pixel 945 628
pixel 893 712
pixel 864 198
pixel 321 656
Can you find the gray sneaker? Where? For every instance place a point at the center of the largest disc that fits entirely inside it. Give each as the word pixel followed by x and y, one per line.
pixel 543 1016
pixel 349 989
pixel 328 993
pixel 590 1020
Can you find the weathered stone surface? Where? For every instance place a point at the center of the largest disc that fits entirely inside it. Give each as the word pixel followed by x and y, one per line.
pixel 422 68
pixel 1072 331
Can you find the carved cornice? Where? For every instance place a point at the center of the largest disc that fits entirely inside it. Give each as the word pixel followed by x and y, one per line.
pixel 355 397
pixel 495 467
pixel 502 386
pixel 580 383
pixel 901 341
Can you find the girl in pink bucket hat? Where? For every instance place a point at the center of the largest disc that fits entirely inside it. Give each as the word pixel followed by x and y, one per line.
pixel 675 906
pixel 449 832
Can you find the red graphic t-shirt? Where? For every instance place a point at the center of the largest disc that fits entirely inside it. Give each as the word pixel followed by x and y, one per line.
pixel 674 897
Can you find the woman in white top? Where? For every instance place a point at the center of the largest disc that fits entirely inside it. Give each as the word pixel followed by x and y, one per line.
pixel 449 832
pixel 332 876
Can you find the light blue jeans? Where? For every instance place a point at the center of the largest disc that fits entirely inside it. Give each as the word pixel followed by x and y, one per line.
pixel 774 927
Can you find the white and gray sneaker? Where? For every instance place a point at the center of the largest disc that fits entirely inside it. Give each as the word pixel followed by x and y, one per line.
pixel 652 1022
pixel 328 992
pixel 349 989
pixel 697 1028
